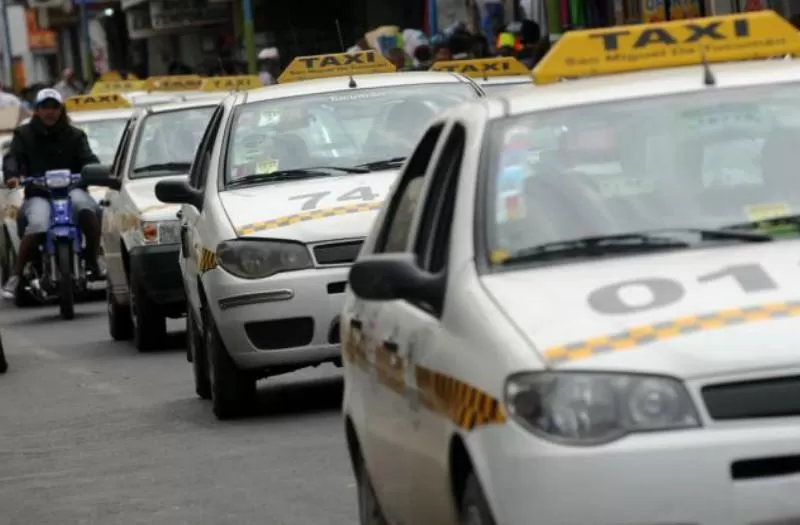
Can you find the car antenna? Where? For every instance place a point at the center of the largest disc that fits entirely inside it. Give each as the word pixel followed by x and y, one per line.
pixel 708 75
pixel 352 83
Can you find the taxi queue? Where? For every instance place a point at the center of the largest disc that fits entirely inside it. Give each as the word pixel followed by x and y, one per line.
pixel 567 303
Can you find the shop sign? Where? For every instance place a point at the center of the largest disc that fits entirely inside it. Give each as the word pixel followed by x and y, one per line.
pixel 39 39
pixel 172 14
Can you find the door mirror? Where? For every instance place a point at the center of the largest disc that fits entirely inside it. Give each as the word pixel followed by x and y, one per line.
pixel 99 175
pixel 179 192
pixel 386 277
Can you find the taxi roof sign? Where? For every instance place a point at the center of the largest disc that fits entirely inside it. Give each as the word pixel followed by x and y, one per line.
pixel 117 86
pixel 336 65
pixel 483 67
pixel 97 102
pixel 174 83
pixel 730 38
pixel 232 83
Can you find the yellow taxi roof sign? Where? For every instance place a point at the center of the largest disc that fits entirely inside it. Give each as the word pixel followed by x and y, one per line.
pixel 97 102
pixel 117 86
pixel 233 83
pixel 483 67
pixel 336 65
pixel 174 83
pixel 729 38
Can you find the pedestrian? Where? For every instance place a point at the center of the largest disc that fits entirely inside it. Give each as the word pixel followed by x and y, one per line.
pixel 398 58
pixel 423 55
pixel 68 86
pixel 269 66
pixel 441 53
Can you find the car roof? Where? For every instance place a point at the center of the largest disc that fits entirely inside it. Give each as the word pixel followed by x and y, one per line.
pixel 334 84
pixel 100 114
pixel 650 83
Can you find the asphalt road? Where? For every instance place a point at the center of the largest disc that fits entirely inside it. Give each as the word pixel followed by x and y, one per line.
pixel 91 432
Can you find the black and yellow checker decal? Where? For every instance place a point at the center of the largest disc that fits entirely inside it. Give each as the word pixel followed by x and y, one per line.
pixel 206 260
pixel 466 406
pixel 642 335
pixel 307 216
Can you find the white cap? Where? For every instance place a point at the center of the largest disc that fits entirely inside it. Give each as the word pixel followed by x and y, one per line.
pixel 269 53
pixel 48 94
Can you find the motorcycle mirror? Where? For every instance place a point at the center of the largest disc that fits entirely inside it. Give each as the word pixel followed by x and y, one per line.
pixel 99 175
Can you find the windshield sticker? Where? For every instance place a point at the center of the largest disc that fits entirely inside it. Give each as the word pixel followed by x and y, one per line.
pixel 357 96
pixel 767 211
pixel 267 167
pixel 499 256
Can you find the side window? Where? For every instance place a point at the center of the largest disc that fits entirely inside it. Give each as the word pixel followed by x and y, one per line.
pixel 433 239
pixel 400 212
pixel 199 170
pixel 124 142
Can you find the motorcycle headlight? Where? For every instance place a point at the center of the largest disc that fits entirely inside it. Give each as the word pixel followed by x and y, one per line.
pixel 59 180
pixel 581 408
pixel 256 259
pixel 161 232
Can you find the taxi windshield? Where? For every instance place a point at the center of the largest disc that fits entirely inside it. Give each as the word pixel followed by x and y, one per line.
pixel 103 135
pixel 720 159
pixel 168 141
pixel 345 129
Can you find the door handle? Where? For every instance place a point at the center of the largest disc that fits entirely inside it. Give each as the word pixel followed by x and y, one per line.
pixel 105 203
pixel 391 346
pixel 179 214
pixel 356 324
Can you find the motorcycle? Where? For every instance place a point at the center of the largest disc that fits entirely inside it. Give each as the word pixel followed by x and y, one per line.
pixel 58 269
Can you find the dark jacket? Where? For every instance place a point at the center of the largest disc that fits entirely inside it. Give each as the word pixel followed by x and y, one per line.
pixel 35 149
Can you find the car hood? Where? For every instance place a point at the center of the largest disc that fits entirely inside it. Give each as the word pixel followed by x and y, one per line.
pixel 142 193
pixel 325 208
pixel 687 313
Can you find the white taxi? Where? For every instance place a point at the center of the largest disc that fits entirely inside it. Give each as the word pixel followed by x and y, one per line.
pixel 282 191
pixel 580 306
pixel 495 75
pixel 141 235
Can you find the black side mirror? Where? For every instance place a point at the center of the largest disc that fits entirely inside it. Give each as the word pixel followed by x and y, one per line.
pixel 386 277
pixel 99 175
pixel 179 192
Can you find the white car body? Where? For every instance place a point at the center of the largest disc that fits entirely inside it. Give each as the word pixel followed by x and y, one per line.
pixel 425 389
pixel 288 320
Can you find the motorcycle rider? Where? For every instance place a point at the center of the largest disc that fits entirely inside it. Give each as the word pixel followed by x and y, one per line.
pixel 50 142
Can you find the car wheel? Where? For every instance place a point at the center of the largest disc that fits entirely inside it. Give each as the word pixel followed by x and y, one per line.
pixel 233 391
pixel 120 324
pixel 474 509
pixel 149 325
pixel 369 510
pixel 194 346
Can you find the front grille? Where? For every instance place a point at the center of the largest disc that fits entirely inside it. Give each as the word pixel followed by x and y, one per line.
pixel 337 253
pixel 776 397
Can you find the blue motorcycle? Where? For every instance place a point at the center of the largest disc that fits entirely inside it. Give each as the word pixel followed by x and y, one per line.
pixel 58 271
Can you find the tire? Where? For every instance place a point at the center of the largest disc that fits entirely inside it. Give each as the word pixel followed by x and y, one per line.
pixel 66 288
pixel 3 362
pixel 194 346
pixel 233 392
pixel 369 510
pixel 473 508
pixel 149 325
pixel 120 324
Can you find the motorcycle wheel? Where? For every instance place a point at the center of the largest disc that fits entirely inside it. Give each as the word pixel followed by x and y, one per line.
pixel 66 297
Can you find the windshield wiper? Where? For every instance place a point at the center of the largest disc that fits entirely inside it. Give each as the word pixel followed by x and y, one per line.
pixel 284 175
pixel 164 166
pixel 394 162
pixel 641 242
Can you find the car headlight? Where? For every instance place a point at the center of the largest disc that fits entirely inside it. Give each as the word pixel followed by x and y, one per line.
pixel 161 232
pixel 257 259
pixel 583 408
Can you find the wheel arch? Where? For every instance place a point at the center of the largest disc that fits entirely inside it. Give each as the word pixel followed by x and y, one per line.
pixel 460 466
pixel 353 443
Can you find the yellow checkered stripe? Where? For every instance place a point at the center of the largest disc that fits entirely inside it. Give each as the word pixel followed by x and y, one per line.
pixel 307 216
pixel 206 260
pixel 466 406
pixel 646 334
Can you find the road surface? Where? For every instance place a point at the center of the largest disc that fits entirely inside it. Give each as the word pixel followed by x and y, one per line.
pixel 91 432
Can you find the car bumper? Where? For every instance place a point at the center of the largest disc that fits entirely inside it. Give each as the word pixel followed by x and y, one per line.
pixel 157 268
pixel 692 477
pixel 288 319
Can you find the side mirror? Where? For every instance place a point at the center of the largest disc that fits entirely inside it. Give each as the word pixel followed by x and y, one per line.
pixel 179 192
pixel 386 277
pixel 99 175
